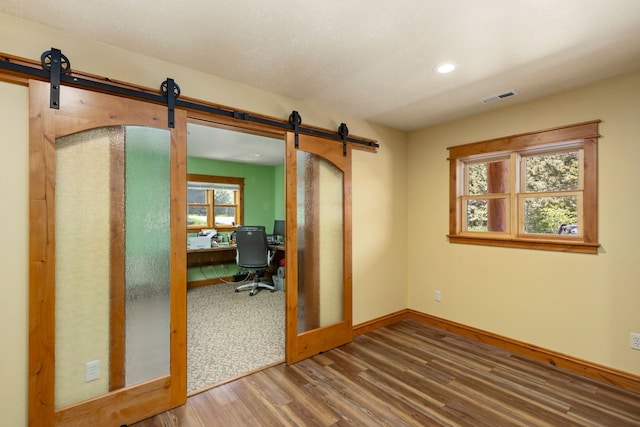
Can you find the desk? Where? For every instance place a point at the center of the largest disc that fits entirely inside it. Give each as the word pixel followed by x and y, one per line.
pixel 223 254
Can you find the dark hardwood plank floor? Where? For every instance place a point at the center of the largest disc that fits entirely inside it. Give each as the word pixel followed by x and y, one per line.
pixel 410 374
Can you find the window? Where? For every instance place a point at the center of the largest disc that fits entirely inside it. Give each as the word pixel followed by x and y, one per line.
pixel 535 190
pixel 214 202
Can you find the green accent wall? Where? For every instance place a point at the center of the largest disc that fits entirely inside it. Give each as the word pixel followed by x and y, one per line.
pixel 279 192
pixel 263 187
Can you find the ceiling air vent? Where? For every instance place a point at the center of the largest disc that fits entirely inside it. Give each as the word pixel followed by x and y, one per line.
pixel 499 96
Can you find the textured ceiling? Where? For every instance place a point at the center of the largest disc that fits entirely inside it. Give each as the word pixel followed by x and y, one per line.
pixel 372 59
pixel 209 142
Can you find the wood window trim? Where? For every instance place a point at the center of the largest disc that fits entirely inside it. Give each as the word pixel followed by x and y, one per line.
pixel 587 132
pixel 215 179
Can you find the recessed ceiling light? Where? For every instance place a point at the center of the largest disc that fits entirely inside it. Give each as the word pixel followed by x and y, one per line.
pixel 445 67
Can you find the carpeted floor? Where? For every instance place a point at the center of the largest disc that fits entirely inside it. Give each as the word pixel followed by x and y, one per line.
pixel 230 333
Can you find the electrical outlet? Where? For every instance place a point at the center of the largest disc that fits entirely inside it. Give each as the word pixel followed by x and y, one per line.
pixel 92 370
pixel 635 341
pixel 437 296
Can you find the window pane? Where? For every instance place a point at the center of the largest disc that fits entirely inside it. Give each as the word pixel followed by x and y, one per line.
pixel 486 215
pixel 225 215
pixel 196 195
pixel 488 178
pixel 545 215
pixel 224 197
pixel 196 215
pixel 552 172
pixel 477 215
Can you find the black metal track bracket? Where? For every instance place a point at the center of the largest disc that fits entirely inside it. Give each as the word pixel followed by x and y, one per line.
pixel 56 68
pixel 57 64
pixel 343 131
pixel 295 120
pixel 171 91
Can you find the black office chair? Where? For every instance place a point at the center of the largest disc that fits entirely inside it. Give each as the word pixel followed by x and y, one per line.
pixel 253 255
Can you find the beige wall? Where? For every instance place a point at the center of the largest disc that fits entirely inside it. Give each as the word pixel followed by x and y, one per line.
pixel 14 249
pixel 379 186
pixel 581 305
pixel 380 227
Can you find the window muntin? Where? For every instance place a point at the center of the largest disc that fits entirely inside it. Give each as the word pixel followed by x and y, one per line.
pixel 546 177
pixel 485 177
pixel 535 190
pixel 214 202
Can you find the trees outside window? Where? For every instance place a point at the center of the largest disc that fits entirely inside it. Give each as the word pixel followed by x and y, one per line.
pixel 535 190
pixel 557 175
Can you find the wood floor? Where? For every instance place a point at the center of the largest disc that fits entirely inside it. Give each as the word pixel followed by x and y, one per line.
pixel 410 374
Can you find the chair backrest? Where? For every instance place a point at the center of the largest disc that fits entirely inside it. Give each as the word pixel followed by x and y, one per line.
pixel 253 251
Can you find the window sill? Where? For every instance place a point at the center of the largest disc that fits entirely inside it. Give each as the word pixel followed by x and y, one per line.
pixel 225 228
pixel 576 247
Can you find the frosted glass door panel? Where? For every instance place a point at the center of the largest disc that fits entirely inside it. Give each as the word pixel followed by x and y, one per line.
pixel 320 242
pixel 82 263
pixel 112 260
pixel 147 254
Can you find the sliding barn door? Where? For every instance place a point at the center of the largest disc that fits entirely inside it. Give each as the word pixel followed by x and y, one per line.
pixel 318 246
pixel 107 259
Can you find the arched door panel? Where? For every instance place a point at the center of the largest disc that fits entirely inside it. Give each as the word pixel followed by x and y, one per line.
pixel 318 267
pixel 107 297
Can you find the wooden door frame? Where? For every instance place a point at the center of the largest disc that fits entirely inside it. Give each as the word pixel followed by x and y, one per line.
pixel 77 114
pixel 117 377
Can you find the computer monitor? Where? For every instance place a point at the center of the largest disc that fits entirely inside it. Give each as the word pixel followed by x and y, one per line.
pixel 279 228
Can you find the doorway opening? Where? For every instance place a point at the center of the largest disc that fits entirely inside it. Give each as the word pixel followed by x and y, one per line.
pixel 231 334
